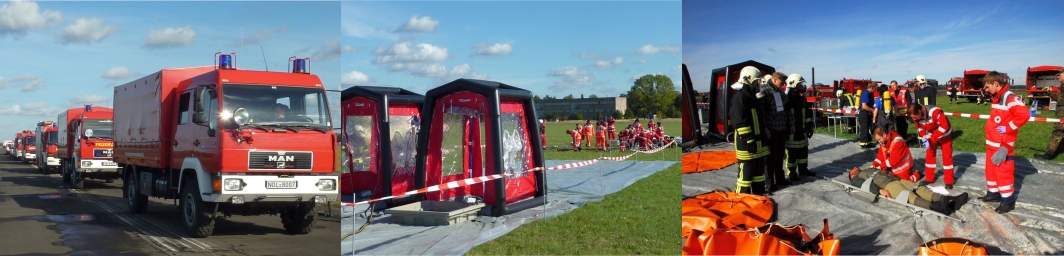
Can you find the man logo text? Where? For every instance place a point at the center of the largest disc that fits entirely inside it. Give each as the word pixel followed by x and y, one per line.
pixel 282 158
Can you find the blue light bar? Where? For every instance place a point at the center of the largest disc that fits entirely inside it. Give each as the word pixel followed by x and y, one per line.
pixel 225 61
pixel 299 66
pixel 88 108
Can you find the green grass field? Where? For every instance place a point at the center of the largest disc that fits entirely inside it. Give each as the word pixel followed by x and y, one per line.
pixel 969 134
pixel 640 219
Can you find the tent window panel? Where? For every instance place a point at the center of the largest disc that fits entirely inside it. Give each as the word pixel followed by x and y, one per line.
pixel 404 143
pixel 451 148
pixel 360 138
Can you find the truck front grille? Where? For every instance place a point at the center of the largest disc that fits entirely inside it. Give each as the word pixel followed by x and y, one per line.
pixel 280 160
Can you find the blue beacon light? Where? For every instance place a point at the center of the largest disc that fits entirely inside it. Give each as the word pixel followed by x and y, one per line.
pixel 225 61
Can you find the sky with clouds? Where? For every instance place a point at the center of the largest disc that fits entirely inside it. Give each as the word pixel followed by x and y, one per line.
pixel 549 48
pixel 58 55
pixel 881 40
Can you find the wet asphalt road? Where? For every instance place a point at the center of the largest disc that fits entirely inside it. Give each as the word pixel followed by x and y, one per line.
pixel 40 216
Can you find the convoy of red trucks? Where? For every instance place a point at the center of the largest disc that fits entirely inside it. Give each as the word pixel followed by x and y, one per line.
pixel 28 146
pixel 224 141
pixel 85 145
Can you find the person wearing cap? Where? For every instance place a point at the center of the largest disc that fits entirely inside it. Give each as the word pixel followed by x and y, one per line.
pixel 1058 128
pixel 780 123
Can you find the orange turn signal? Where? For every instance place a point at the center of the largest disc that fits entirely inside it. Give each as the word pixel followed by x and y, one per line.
pixel 216 184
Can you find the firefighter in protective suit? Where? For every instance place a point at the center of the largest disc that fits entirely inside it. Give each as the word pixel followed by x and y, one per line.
pixel 750 133
pixel 1058 128
pixel 798 142
pixel 1007 115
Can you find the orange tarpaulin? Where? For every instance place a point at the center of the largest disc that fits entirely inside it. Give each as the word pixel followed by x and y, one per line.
pixel 771 239
pixel 952 246
pixel 724 210
pixel 707 161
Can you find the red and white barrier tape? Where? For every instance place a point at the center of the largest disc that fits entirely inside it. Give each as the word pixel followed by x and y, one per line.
pixel 977 116
pixel 471 181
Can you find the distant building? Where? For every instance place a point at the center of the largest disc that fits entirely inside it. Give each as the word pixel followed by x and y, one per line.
pixel 591 108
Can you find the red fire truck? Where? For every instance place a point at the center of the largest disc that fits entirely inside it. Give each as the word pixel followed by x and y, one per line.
pixel 86 145
pixel 972 83
pixel 46 147
pixel 224 141
pixel 1041 81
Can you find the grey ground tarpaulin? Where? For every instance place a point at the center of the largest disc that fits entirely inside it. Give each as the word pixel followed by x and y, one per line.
pixel 1036 226
pixel 567 190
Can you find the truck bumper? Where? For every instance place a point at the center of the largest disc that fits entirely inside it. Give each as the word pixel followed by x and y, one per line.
pixel 18 153
pixel 97 166
pixel 254 189
pixel 52 162
pixel 31 157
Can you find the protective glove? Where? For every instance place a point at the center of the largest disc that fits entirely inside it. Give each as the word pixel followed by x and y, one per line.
pixel 1001 129
pixel 914 177
pixel 926 144
pixel 999 156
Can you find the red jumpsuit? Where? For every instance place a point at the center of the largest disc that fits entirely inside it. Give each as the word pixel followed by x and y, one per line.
pixel 1009 112
pixel 624 139
pixel 600 137
pixel 660 134
pixel 543 134
pixel 937 127
pixel 589 130
pixel 576 139
pixel 610 129
pixel 895 158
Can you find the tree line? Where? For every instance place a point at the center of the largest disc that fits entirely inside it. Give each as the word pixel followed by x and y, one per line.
pixel 649 95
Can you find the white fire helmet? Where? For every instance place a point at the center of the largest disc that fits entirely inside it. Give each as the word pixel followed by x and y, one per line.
pixel 921 79
pixel 749 74
pixel 794 79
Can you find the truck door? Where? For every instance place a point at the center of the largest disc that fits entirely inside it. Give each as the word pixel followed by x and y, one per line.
pixel 184 135
pixel 207 134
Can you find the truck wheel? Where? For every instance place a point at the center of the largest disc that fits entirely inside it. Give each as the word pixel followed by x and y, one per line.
pixel 79 182
pixel 65 170
pixel 198 223
pixel 137 202
pixel 299 219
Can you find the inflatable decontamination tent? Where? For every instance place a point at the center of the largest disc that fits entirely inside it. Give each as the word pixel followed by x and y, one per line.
pixel 380 126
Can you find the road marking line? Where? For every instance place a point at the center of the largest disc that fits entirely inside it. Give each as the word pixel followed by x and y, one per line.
pixel 144 234
pixel 192 241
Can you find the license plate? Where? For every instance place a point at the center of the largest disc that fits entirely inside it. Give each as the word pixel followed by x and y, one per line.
pixel 110 164
pixel 280 184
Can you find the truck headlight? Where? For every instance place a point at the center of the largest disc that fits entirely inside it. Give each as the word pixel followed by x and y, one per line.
pixel 86 163
pixel 326 184
pixel 233 184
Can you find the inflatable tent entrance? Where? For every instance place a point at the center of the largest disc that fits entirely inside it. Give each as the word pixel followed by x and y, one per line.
pixel 474 128
pixel 380 127
pixel 721 94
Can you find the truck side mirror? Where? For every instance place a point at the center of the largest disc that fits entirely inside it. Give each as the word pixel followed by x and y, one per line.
pixel 198 104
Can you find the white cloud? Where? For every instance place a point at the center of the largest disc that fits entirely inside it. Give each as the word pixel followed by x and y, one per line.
pixel 492 50
pixel 570 77
pixel 651 49
pixel 331 49
pixel 89 99
pixel 169 37
pixel 419 25
pixel 86 31
pixel 678 68
pixel 402 52
pixel 262 35
pixel 641 62
pixel 437 71
pixel 355 78
pixel 17 17
pixel 32 83
pixel 31 109
pixel 117 73
pixel 609 63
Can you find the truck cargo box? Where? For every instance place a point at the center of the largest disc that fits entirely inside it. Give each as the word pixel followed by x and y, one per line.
pixel 142 131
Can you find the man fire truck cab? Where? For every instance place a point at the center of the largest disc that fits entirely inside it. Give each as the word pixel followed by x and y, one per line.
pixel 224 141
pixel 29 145
pixel 972 83
pixel 85 145
pixel 1041 82
pixel 46 147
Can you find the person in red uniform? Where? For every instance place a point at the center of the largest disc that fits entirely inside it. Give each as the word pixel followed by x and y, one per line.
pixel 610 129
pixel 543 132
pixel 659 132
pixel 638 127
pixel 935 131
pixel 893 155
pixel 588 131
pixel 576 137
pixel 1007 115
pixel 623 139
pixel 600 136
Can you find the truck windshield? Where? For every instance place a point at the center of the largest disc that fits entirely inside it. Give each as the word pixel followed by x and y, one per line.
pixel 30 140
pixel 278 105
pixel 53 138
pixel 101 128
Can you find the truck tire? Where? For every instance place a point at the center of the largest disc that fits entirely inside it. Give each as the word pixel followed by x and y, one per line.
pixel 198 223
pixel 137 202
pixel 64 168
pixel 299 219
pixel 76 180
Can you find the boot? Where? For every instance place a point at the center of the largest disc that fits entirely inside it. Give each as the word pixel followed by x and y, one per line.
pixel 782 183
pixel 941 206
pixel 1004 208
pixel 805 172
pixel 949 186
pixel 991 197
pixel 1046 157
pixel 955 202
pixel 758 188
